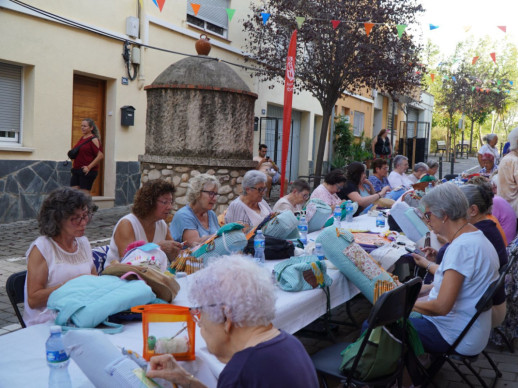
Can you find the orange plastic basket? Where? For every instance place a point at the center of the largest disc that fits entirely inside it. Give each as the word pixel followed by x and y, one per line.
pixel 163 322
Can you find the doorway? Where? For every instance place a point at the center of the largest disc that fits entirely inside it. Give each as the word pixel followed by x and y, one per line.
pixel 89 101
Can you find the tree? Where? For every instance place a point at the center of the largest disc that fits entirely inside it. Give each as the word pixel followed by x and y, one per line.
pixel 332 60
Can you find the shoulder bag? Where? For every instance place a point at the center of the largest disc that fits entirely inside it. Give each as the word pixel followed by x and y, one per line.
pixel 72 154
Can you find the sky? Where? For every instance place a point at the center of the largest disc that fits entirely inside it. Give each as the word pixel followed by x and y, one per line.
pixel 453 16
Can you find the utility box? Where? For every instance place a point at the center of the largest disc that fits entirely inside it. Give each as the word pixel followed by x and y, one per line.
pixel 132 26
pixel 127 116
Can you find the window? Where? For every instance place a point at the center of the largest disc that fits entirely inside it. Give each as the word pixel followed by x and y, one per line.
pixel 10 102
pixel 212 16
pixel 358 123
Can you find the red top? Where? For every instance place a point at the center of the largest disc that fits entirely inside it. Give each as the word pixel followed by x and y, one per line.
pixel 87 153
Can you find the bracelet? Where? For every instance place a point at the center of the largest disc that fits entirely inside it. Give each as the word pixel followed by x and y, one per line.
pixel 428 266
pixel 191 378
pixel 379 196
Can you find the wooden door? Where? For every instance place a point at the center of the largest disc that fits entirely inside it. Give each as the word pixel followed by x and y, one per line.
pixel 89 101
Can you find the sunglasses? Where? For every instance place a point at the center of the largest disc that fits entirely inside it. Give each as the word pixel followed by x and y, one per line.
pixel 212 194
pixel 77 220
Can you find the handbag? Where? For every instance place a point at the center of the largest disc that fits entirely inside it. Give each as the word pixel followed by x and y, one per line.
pixel 274 248
pixel 302 273
pixel 379 358
pixel 72 154
pixel 163 285
pixel 87 301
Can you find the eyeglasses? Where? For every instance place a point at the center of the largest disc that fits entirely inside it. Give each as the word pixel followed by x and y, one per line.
pixel 196 311
pixel 427 215
pixel 212 194
pixel 306 197
pixel 262 190
pixel 165 203
pixel 77 220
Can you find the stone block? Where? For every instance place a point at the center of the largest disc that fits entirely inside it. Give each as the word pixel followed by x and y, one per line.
pixel 234 174
pixel 211 171
pixel 195 173
pixel 182 169
pixel 223 190
pixel 239 179
pixel 222 199
pixel 222 171
pixel 185 177
pixel 44 170
pixel 36 186
pixel 166 172
pixel 176 180
pixel 184 184
pixel 237 189
pixel 230 196
pixel 181 201
pixel 180 191
pixel 11 186
pixel 154 174
pixel 224 178
pixel 145 179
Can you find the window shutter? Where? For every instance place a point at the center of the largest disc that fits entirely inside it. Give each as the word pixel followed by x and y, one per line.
pixel 212 11
pixel 10 97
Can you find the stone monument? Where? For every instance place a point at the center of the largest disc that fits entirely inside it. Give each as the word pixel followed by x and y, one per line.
pixel 200 117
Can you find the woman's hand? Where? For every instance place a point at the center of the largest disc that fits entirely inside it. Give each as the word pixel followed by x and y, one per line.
pixel 85 169
pixel 384 190
pixel 420 260
pixel 430 253
pixel 171 248
pixel 166 367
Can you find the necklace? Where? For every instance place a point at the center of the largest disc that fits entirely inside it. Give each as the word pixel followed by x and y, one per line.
pixel 458 230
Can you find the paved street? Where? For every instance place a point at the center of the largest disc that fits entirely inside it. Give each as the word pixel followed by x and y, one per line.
pixel 16 238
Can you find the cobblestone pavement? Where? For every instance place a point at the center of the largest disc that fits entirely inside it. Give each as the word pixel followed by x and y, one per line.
pixel 16 237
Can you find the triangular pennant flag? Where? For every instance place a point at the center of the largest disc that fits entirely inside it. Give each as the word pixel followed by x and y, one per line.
pixel 472 88
pixel 432 76
pixel 478 89
pixel 454 79
pixel 400 29
pixel 161 4
pixel 154 1
pixel 195 8
pixel 300 21
pixel 511 83
pixel 474 60
pixel 230 13
pixel 433 27
pixel 335 23
pixel 493 56
pixel 368 27
pixel 503 28
pixel 498 82
pixel 445 77
pixel 467 28
pixel 265 17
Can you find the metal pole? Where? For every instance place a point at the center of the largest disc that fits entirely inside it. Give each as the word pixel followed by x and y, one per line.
pixel 392 133
pixel 440 167
pixel 452 163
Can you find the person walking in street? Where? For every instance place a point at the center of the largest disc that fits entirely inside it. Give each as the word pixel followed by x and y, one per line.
pixel 381 146
pixel 86 165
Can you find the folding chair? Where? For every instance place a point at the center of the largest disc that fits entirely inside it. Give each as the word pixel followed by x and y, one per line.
pixel 390 307
pixel 451 356
pixel 15 290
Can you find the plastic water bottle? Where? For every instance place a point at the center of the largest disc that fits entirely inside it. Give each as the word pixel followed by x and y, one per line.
pixel 337 214
pixel 319 251
pixel 259 244
pixel 428 188
pixel 380 220
pixel 57 360
pixel 303 230
pixel 349 211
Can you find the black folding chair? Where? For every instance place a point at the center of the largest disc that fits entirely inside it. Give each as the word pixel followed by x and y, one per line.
pixel 391 307
pixel 453 358
pixel 15 290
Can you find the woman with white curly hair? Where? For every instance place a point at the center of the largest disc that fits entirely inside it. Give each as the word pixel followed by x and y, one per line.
pixel 234 310
pixel 196 222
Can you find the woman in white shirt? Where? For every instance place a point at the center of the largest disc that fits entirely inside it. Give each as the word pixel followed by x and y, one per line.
pixel 489 147
pixel 295 199
pixel 397 177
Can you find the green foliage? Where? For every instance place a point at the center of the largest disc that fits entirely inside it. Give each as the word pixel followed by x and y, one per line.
pixel 347 148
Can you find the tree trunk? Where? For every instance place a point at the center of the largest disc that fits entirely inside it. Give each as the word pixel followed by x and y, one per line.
pixel 322 144
pixel 471 137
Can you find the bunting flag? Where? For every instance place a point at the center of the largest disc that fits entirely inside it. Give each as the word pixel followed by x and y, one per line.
pixel 300 21
pixel 511 82
pixel 433 27
pixel 467 28
pixel 161 4
pixel 474 60
pixel 195 8
pixel 454 79
pixel 140 3
pixel 432 76
pixel 368 28
pixel 503 28
pixel 265 17
pixel 154 1
pixel 400 29
pixel 493 57
pixel 230 13
pixel 289 84
pixel 335 23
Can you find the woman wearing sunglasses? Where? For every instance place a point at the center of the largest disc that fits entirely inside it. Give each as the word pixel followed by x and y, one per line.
pixel 60 254
pixel 196 222
pixel 295 199
pixel 250 208
pixel 235 312
pixel 470 264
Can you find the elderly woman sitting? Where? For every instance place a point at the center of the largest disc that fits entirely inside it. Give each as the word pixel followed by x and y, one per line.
pixel 470 264
pixel 152 205
pixel 60 254
pixel 295 199
pixel 196 222
pixel 420 170
pixel 489 168
pixel 235 311
pixel 354 188
pixel 250 208
pixel 398 178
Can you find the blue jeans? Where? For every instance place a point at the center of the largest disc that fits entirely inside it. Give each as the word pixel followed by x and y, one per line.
pixel 429 336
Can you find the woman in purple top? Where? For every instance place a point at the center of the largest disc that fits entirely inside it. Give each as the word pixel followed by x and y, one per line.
pixel 235 312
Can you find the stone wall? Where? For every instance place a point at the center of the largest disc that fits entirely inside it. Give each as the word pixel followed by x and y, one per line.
pixel 230 179
pixel 127 182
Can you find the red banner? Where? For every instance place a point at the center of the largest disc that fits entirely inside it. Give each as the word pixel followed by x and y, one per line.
pixel 289 82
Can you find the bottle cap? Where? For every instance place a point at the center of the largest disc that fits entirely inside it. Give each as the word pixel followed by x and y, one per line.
pixel 55 329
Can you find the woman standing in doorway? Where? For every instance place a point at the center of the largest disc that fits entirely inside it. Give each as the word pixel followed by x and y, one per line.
pixel 381 147
pixel 86 164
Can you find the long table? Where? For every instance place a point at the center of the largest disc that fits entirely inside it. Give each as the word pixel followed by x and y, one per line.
pixel 22 361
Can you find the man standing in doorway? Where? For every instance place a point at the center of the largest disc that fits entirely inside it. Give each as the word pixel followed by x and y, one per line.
pixel 268 166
